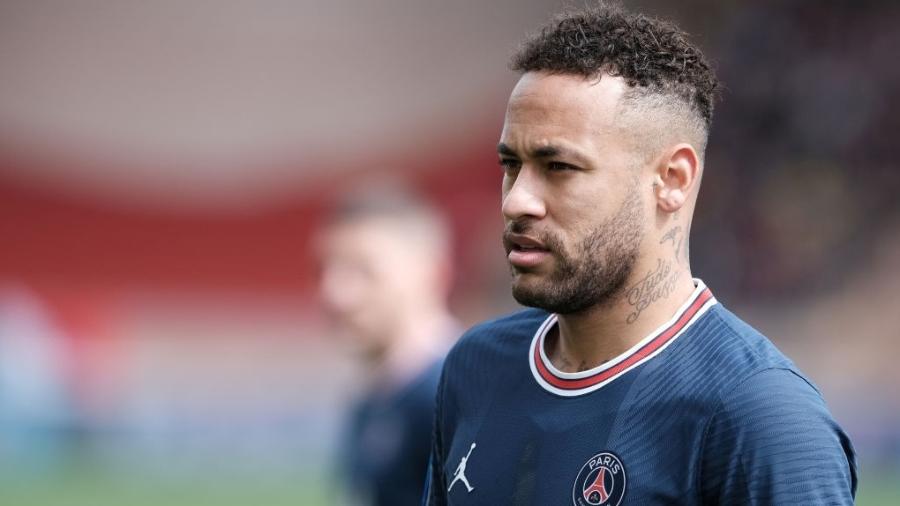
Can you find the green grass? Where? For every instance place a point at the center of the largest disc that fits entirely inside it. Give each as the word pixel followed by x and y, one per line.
pixel 92 488
pixel 89 486
pixel 881 489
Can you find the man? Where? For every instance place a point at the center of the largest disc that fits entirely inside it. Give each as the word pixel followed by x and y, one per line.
pixel 385 278
pixel 629 383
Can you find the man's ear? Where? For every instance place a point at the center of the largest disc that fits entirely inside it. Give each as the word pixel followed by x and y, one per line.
pixel 676 176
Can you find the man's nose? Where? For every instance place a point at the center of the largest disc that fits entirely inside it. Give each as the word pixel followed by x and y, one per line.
pixel 525 197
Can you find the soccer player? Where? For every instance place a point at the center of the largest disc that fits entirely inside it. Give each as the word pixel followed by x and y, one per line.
pixel 385 276
pixel 628 383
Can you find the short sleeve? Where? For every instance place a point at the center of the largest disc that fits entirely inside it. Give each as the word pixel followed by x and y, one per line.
pixel 773 441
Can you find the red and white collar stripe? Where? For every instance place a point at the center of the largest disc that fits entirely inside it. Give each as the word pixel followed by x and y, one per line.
pixel 579 383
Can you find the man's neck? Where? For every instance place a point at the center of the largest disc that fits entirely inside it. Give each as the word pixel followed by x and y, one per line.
pixel 588 339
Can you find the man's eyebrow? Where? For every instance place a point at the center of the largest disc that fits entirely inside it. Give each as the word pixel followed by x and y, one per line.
pixel 503 149
pixel 541 152
pixel 546 152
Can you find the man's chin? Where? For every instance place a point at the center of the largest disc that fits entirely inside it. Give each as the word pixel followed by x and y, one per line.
pixel 538 271
pixel 526 280
pixel 529 292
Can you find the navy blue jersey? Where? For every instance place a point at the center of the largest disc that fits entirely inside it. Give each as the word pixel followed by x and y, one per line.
pixel 386 448
pixel 704 410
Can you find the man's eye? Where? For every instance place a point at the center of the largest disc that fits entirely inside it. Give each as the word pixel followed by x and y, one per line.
pixel 559 166
pixel 509 164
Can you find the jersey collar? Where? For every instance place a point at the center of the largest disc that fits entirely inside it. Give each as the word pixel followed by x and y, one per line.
pixel 579 383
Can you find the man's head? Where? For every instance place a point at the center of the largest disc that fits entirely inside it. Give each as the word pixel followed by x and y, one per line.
pixel 601 147
pixel 384 256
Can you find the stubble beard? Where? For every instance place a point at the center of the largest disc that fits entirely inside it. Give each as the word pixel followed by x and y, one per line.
pixel 595 273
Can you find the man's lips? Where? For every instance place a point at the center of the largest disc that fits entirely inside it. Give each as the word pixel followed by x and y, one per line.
pixel 525 251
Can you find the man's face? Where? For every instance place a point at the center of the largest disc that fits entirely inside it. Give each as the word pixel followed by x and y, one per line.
pixel 571 203
pixel 369 273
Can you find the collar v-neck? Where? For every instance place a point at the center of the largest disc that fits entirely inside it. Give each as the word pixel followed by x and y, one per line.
pixel 578 383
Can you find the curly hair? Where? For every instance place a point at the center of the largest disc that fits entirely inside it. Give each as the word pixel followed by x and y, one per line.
pixel 652 56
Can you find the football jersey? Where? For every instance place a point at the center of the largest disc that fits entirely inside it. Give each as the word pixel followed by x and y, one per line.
pixel 386 447
pixel 704 410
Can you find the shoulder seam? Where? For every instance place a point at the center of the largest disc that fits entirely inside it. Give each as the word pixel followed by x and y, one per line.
pixel 757 354
pixel 735 333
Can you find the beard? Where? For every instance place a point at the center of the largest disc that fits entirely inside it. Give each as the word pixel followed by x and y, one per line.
pixel 591 275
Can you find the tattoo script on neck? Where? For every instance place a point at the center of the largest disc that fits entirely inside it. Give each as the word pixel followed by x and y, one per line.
pixel 567 365
pixel 657 284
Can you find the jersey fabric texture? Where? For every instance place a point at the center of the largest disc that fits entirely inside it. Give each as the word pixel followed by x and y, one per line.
pixel 388 440
pixel 704 410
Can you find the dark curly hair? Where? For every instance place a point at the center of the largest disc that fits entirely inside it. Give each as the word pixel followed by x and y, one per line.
pixel 651 55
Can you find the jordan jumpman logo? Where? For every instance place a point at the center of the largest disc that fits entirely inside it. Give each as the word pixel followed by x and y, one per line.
pixel 460 473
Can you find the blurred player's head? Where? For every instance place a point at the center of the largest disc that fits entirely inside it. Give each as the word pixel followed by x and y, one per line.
pixel 385 262
pixel 602 147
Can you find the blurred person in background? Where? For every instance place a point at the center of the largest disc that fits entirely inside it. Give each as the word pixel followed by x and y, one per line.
pixel 385 259
pixel 35 402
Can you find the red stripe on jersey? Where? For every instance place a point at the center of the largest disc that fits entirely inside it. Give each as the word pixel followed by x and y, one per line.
pixel 665 336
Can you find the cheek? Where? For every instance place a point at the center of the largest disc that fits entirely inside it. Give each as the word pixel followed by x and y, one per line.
pixel 580 210
pixel 369 306
pixel 348 298
pixel 395 278
pixel 354 288
pixel 580 223
pixel 594 200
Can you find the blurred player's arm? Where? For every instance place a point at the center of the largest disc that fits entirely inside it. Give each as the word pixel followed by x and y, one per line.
pixel 772 441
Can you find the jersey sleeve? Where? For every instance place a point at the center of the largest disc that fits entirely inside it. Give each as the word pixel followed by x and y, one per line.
pixel 773 441
pixel 435 485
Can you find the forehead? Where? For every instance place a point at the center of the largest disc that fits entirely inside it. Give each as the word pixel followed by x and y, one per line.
pixel 359 229
pixel 564 105
pixel 380 236
pixel 355 238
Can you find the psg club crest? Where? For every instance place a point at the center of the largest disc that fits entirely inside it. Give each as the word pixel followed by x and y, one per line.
pixel 601 482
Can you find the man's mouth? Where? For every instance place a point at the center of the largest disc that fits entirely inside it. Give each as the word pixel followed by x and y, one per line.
pixel 524 251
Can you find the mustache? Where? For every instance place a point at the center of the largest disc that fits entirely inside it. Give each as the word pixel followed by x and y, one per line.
pixel 550 241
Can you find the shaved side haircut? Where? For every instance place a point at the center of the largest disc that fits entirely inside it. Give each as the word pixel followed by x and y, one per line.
pixel 671 86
